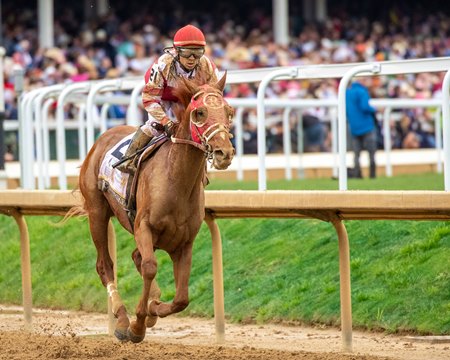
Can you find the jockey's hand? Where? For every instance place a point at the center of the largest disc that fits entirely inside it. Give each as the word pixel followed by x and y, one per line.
pixel 157 126
pixel 169 128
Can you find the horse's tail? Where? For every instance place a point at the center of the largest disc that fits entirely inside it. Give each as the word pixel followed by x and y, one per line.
pixel 77 210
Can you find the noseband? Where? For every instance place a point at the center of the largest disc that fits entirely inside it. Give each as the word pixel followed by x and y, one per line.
pixel 203 132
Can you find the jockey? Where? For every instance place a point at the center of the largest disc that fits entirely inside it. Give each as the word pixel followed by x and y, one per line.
pixel 186 58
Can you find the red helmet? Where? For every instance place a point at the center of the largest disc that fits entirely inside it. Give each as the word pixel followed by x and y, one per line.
pixel 189 35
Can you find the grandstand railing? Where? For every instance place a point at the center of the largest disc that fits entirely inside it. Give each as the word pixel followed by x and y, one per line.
pixel 43 125
pixel 93 93
pixel 387 104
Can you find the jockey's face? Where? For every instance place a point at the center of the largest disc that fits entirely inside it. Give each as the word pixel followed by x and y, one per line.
pixel 190 56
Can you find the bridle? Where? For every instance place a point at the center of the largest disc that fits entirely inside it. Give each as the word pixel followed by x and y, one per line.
pixel 203 131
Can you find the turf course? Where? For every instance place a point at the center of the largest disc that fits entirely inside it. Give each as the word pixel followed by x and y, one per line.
pixel 274 270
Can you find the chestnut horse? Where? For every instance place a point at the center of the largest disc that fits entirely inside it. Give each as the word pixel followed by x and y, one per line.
pixel 169 201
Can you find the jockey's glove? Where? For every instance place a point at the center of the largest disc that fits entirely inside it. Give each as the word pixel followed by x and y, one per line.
pixel 169 128
pixel 157 126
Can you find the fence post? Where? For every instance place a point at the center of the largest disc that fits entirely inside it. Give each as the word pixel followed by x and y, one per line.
pixel 300 145
pixel 438 138
pixel 291 72
pixel 40 143
pixel 287 143
pixel 46 140
pixel 60 130
pixel 239 142
pixel 446 128
pixel 342 117
pixel 106 84
pixel 387 140
pixel 219 301
pixel 132 112
pixel 334 141
pixel 3 178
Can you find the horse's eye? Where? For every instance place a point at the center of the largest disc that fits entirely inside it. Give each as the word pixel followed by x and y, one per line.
pixel 201 114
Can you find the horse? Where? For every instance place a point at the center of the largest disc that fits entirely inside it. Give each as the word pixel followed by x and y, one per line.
pixel 169 200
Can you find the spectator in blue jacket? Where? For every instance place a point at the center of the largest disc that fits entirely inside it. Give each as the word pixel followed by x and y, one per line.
pixel 361 118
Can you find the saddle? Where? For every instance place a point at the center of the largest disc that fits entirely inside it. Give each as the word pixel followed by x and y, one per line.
pixel 123 185
pixel 130 198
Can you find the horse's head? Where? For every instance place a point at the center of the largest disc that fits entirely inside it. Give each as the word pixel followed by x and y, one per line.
pixel 210 119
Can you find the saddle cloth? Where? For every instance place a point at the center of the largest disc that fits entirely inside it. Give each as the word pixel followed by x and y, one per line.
pixel 116 179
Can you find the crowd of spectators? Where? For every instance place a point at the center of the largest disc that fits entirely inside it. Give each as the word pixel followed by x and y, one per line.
pixel 111 47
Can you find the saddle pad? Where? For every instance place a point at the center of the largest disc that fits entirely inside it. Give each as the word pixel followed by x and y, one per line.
pixel 116 179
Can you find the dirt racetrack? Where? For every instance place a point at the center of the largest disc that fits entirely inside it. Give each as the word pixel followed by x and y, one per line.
pixel 78 335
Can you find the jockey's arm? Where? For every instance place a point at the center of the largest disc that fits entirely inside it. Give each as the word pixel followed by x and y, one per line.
pixel 152 97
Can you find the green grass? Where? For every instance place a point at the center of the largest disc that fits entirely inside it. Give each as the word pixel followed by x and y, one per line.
pixel 274 269
pixel 426 181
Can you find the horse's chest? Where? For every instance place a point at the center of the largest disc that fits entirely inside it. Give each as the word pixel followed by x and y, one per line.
pixel 175 227
pixel 182 213
pixel 173 233
pixel 174 217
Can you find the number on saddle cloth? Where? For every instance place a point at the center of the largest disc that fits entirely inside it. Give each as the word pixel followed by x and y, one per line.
pixel 120 150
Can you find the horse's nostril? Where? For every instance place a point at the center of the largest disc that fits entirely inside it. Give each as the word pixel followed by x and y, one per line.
pixel 225 155
pixel 219 153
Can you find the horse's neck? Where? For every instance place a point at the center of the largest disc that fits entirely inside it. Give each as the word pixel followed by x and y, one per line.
pixel 186 164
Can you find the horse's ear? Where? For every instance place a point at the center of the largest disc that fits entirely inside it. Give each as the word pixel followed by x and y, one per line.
pixel 221 83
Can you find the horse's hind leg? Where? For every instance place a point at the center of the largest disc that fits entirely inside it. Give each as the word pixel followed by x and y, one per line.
pixel 155 292
pixel 98 223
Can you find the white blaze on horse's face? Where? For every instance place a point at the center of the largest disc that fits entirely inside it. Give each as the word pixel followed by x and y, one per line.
pixel 212 116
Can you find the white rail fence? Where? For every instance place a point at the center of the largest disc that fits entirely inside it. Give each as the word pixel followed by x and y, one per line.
pixel 387 104
pixel 33 114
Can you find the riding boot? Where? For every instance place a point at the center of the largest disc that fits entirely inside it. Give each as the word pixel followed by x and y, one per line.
pixel 139 140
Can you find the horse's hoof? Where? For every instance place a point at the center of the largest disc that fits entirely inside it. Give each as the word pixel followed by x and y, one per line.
pixel 135 338
pixel 151 320
pixel 121 334
pixel 152 309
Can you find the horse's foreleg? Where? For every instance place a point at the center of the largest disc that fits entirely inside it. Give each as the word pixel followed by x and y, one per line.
pixel 155 292
pixel 182 270
pixel 148 268
pixel 155 295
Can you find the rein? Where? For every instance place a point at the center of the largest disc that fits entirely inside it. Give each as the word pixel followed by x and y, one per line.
pixel 202 146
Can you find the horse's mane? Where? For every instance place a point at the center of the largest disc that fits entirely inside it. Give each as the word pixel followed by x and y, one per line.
pixel 185 89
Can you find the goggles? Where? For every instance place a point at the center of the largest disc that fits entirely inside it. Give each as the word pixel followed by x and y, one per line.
pixel 188 52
